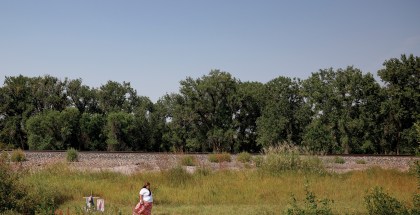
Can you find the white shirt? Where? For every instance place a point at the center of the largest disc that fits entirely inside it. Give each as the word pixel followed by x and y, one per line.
pixel 147 195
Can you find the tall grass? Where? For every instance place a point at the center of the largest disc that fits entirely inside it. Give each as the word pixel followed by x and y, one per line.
pixel 287 158
pixel 178 192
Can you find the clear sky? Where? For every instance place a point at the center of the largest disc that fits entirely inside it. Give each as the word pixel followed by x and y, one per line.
pixel 155 44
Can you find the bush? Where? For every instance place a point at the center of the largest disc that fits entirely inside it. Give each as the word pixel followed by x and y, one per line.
pixel 13 195
pixel 244 157
pixel 339 160
pixel 18 156
pixel 188 160
pixel 379 202
pixel 360 161
pixel 72 155
pixel 310 206
pixel 218 158
pixel 287 158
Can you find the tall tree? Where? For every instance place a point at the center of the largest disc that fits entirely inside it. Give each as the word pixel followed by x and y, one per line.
pixel 402 106
pixel 115 97
pixel 250 105
pixel 82 97
pixel 344 102
pixel 212 101
pixel 15 108
pixel 283 117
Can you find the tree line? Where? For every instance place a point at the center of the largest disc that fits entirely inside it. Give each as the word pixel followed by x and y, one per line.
pixel 332 111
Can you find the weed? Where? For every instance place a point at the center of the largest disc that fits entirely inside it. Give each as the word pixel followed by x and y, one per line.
pixel 244 157
pixel 188 160
pixel 72 155
pixel 310 206
pixel 379 202
pixel 339 160
pixel 18 156
pixel 287 158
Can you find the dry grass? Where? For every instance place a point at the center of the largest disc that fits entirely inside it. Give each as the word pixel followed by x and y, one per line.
pixel 222 192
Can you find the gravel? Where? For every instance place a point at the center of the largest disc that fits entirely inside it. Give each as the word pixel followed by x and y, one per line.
pixel 129 163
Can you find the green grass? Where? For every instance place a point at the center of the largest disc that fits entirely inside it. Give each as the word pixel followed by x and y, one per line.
pixel 222 192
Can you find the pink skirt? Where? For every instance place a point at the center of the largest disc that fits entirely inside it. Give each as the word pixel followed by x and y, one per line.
pixel 143 209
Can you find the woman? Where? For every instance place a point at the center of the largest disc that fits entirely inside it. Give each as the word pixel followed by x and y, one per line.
pixel 144 207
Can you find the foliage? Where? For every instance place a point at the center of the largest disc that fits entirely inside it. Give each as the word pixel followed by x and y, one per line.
pixel 285 114
pixel 18 156
pixel 244 157
pixel 379 202
pixel 12 192
pixel 402 106
pixel 220 157
pixel 311 205
pixel 333 111
pixel 72 155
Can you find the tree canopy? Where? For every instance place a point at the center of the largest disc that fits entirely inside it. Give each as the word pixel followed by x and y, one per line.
pixel 333 111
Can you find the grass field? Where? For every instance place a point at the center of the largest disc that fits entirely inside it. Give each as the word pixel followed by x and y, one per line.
pixel 222 192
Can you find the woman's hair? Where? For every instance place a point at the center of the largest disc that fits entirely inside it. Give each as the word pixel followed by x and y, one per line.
pixel 145 186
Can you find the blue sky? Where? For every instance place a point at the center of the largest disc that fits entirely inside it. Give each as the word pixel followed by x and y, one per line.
pixel 155 44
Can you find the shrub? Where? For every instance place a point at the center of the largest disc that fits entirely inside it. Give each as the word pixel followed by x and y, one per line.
pixel 18 156
pixel 72 155
pixel 218 158
pixel 13 195
pixel 310 206
pixel 339 160
pixel 188 160
pixel 360 161
pixel 244 157
pixel 379 202
pixel 278 160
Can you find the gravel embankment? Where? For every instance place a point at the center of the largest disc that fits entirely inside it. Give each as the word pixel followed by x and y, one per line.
pixel 128 163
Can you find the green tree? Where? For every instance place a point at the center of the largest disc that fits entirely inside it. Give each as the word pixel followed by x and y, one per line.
pixel 44 131
pixel 285 113
pixel 70 128
pixel 115 97
pixel 15 108
pixel 250 105
pixel 117 129
pixel 345 103
pixel 82 97
pixel 212 101
pixel 402 106
pixel 92 136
